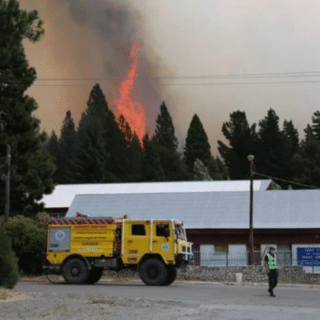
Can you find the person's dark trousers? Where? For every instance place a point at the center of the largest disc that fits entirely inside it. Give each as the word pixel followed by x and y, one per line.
pixel 273 280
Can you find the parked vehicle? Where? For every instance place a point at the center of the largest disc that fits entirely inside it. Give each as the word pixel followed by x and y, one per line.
pixel 81 248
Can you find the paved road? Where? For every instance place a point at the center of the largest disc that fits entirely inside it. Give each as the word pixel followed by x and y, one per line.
pixel 223 301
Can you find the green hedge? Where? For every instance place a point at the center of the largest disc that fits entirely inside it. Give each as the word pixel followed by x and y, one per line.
pixel 9 273
pixel 29 238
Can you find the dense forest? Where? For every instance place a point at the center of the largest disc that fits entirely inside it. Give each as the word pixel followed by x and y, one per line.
pixel 104 149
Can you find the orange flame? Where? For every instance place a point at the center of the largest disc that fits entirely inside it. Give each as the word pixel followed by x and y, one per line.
pixel 132 110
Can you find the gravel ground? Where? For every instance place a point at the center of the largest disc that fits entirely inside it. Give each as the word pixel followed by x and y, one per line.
pixel 41 303
pixel 71 306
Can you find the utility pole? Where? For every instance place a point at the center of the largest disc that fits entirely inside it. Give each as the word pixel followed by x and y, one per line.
pixel 251 241
pixel 7 199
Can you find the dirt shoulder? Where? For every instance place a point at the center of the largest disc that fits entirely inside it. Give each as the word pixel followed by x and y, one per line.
pixel 9 295
pixel 73 306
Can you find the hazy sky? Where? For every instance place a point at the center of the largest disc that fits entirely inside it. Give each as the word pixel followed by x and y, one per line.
pixel 182 38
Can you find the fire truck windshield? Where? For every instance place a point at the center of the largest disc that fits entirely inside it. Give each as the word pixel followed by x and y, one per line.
pixel 179 232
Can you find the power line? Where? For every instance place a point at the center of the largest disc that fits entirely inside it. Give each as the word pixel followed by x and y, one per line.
pixel 230 76
pixel 245 75
pixel 182 84
pixel 239 77
pixel 283 180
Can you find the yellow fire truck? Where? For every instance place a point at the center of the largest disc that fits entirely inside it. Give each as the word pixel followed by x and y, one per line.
pixel 81 248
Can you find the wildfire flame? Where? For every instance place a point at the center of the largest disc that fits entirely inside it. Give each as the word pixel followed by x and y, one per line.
pixel 132 110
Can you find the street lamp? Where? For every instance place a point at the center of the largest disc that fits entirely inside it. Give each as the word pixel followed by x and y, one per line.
pixel 251 158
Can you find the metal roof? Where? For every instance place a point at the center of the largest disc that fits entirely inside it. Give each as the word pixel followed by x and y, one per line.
pixel 272 209
pixel 63 194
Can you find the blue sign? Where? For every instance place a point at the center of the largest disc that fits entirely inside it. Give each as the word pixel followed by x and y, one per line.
pixel 308 257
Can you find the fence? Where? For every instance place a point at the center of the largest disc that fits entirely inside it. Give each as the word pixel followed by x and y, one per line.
pixel 225 259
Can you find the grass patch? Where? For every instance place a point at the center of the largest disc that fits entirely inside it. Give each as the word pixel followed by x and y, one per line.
pixel 4 294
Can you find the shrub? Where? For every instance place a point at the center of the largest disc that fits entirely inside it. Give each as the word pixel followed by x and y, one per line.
pixel 9 273
pixel 29 238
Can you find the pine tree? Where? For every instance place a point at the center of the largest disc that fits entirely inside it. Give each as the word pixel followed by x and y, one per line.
pixel 167 145
pixel 197 145
pixel 53 149
pixel 270 158
pixel 164 133
pixel 291 148
pixel 316 125
pixel 145 139
pixel 92 159
pixel 102 154
pixel 125 128
pixel 151 165
pixel 116 148
pixel 242 142
pixel 291 137
pixel 134 160
pixel 306 164
pixel 31 168
pixel 68 144
pixel 97 104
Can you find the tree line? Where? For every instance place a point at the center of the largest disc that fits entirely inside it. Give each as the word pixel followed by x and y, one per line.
pixel 278 151
pixel 105 149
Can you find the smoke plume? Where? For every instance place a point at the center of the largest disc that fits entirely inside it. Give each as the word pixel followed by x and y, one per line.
pixel 92 40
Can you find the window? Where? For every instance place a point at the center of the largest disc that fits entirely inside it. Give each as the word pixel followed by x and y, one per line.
pixel 162 230
pixel 207 255
pixel 284 254
pixel 221 248
pixel 138 230
pixel 57 215
pixel 179 232
pixel 237 255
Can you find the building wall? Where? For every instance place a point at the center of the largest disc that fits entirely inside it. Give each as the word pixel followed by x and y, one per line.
pixel 261 236
pixel 230 247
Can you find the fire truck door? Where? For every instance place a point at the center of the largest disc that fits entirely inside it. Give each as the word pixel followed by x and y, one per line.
pixel 163 240
pixel 136 241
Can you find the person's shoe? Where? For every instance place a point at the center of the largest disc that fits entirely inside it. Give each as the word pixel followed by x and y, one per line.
pixel 272 294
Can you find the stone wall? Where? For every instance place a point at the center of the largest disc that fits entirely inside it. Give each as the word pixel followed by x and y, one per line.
pixel 294 274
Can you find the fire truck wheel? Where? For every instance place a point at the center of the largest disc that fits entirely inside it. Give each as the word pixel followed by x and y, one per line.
pixel 94 276
pixel 153 272
pixel 172 274
pixel 75 271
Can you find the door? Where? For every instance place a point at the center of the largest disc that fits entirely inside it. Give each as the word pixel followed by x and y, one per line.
pixel 135 241
pixel 163 239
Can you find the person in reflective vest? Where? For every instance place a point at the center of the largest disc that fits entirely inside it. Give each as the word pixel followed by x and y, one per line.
pixel 272 269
